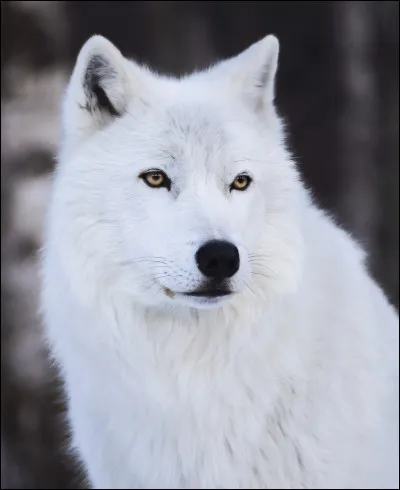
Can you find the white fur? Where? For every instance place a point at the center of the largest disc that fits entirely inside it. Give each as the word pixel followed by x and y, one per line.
pixel 291 382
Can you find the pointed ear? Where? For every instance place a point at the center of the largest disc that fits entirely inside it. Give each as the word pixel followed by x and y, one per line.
pixel 252 73
pixel 98 91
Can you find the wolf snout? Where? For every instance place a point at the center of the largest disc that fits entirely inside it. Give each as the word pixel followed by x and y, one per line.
pixel 218 259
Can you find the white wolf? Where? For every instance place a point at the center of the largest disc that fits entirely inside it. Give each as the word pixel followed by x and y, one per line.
pixel 213 327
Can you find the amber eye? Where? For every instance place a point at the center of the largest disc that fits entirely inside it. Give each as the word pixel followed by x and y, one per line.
pixel 241 183
pixel 156 178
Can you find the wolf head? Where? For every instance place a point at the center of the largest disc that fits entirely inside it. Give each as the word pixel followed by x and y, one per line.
pixel 176 191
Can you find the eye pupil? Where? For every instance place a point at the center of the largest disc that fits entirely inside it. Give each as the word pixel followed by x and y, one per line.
pixel 155 178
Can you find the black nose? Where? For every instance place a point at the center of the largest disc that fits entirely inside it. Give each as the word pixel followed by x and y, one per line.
pixel 218 259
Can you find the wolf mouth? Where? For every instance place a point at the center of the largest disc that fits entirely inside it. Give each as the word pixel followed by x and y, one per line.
pixel 210 293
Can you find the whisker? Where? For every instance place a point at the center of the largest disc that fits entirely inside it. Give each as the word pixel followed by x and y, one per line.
pixel 261 274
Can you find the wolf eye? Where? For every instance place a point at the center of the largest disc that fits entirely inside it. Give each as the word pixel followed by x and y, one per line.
pixel 241 183
pixel 156 178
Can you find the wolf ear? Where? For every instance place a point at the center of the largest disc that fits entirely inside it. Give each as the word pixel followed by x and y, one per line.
pixel 98 91
pixel 252 73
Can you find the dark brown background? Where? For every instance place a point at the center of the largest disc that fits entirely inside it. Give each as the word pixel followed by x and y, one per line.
pixel 337 87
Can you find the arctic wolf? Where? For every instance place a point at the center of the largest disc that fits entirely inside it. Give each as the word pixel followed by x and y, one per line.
pixel 213 327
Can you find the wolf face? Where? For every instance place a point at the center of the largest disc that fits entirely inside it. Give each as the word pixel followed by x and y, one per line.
pixel 176 191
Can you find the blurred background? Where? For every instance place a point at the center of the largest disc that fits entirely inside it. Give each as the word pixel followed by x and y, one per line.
pixel 338 88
